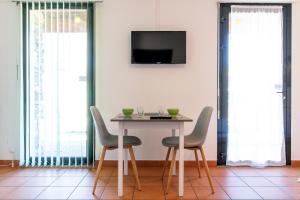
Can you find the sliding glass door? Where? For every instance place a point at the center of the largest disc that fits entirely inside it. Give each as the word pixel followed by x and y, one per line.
pixel 254 122
pixel 58 83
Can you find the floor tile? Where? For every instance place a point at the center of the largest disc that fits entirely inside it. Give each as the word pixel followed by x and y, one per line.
pixel 128 181
pixel 192 171
pixel 195 181
pixel 175 180
pixel 230 181
pixel 13 181
pixel 56 193
pixel 150 171
pixel 167 170
pixel 285 181
pixel 206 193
pixel 130 173
pixel 2 178
pixel 67 181
pixel 86 193
pixel 151 181
pixel 89 181
pixel 245 171
pixel 173 193
pixel 221 171
pixel 5 171
pixel 292 171
pixel 292 191
pixel 55 172
pixel 39 181
pixel 76 172
pixel 24 172
pixel 273 171
pixel 271 193
pixel 257 181
pixel 5 191
pixel 241 193
pixel 149 192
pixel 25 193
pixel 105 171
pixel 234 182
pixel 112 193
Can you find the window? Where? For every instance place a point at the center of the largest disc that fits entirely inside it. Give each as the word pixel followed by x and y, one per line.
pixel 254 84
pixel 58 83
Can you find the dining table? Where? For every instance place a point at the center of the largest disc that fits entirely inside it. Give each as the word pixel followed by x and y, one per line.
pixel 150 121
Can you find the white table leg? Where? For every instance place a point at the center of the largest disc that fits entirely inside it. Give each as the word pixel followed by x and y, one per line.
pixel 125 157
pixel 120 159
pixel 181 159
pixel 174 168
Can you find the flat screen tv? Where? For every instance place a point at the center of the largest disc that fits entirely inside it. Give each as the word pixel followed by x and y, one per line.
pixel 158 47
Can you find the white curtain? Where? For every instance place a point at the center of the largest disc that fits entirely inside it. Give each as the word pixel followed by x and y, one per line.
pixel 55 77
pixel 255 104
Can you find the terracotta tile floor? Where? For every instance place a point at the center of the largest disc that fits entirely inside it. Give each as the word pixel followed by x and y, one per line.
pixel 229 182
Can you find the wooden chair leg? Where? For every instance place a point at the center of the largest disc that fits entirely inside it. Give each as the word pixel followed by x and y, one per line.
pixel 171 170
pixel 197 161
pixel 166 162
pixel 207 169
pixel 101 158
pixel 135 171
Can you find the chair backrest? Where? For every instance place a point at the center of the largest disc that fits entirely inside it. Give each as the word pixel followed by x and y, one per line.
pixel 200 130
pixel 101 129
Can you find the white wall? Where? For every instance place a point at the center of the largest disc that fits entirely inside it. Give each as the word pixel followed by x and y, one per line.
pixel 189 87
pixel 119 84
pixel 296 82
pixel 9 58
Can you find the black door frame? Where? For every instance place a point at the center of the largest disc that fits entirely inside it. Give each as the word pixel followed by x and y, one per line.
pixel 222 134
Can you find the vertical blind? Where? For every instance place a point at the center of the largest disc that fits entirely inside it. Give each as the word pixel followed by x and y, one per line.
pixel 57 83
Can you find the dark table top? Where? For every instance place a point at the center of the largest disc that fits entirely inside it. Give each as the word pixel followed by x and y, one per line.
pixel 146 118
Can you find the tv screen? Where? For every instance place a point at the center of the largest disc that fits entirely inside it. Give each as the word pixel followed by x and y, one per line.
pixel 158 47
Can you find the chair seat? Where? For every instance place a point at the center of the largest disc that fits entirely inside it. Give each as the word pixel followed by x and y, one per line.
pixel 112 142
pixel 189 141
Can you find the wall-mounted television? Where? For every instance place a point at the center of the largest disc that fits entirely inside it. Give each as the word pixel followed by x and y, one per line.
pixel 158 47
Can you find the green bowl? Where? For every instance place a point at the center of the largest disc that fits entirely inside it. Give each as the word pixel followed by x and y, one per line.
pixel 127 111
pixel 173 111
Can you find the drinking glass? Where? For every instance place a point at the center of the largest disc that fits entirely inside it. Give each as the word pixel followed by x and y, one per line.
pixel 140 111
pixel 161 111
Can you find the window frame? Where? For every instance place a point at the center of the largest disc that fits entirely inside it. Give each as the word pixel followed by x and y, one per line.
pixel 89 6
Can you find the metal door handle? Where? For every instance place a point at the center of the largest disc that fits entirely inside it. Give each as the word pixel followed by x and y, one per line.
pixel 281 92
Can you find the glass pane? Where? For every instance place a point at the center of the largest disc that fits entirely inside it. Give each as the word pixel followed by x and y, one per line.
pixel 255 77
pixel 58 83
